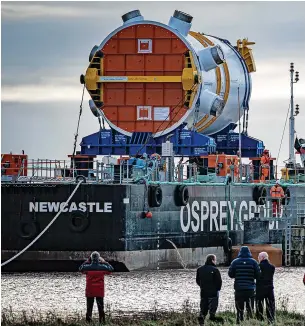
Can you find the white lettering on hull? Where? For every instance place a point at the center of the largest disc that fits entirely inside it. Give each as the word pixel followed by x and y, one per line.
pixel 55 207
pixel 219 214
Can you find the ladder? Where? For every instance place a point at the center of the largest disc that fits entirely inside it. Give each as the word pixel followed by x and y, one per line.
pixel 288 242
pixel 300 212
pixel 21 169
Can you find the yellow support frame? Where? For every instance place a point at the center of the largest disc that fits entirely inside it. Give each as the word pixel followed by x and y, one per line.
pixel 246 53
pixel 140 79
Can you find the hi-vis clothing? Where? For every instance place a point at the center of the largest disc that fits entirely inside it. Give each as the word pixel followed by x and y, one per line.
pixel 265 165
pixel 265 161
pixel 277 192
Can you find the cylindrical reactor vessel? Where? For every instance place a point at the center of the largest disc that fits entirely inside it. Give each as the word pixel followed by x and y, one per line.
pixel 150 77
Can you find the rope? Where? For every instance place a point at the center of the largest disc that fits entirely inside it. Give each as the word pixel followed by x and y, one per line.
pixel 80 113
pixel 283 135
pixel 47 227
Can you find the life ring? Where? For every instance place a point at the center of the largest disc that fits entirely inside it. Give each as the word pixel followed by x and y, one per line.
pixel 181 195
pixel 259 195
pixel 28 229
pixel 286 199
pixel 227 246
pixel 79 221
pixel 80 178
pixel 154 196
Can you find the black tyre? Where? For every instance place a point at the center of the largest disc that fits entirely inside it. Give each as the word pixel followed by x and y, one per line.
pixel 181 195
pixel 154 196
pixel 79 221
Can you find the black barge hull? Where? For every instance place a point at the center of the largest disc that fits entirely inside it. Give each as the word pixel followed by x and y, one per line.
pixel 108 218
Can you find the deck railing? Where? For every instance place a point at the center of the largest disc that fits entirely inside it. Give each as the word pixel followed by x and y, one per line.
pixel 97 171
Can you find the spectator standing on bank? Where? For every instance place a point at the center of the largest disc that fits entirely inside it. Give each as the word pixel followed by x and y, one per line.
pixel 209 279
pixel 264 289
pixel 95 269
pixel 245 270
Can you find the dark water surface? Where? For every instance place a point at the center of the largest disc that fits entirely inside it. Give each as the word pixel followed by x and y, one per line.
pixel 64 293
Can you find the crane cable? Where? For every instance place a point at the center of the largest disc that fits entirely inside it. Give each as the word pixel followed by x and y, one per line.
pixel 283 134
pixel 79 116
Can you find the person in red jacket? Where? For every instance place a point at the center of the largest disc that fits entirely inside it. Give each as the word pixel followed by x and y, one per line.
pixel 95 269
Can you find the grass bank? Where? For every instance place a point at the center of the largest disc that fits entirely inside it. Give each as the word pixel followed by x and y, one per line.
pixel 186 317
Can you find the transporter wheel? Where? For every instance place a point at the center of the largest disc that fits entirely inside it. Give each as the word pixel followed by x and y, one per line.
pixel 79 221
pixel 227 247
pixel 28 229
pixel 286 200
pixel 259 195
pixel 154 196
pixel 181 195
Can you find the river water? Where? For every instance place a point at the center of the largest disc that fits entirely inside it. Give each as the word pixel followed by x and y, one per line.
pixel 63 293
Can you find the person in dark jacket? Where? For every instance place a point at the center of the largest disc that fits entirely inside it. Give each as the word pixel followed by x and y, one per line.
pixel 245 270
pixel 209 279
pixel 95 269
pixel 264 289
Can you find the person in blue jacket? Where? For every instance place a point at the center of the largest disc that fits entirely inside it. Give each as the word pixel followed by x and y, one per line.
pixel 245 270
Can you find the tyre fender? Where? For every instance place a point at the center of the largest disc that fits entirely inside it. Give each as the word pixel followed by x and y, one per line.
pixel 154 196
pixel 28 229
pixel 181 195
pixel 79 221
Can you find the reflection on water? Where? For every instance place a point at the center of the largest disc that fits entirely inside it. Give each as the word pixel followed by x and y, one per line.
pixel 64 293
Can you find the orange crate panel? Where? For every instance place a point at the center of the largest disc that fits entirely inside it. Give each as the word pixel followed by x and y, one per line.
pixel 111 46
pixel 161 32
pixel 135 62
pixel 173 97
pixel 127 46
pixel 114 97
pixel 111 113
pixel 162 46
pixel 129 32
pixel 144 126
pixel 174 63
pixel 114 63
pixel 134 96
pixel 154 63
pixel 127 113
pixel 154 97
pixel 178 46
pixel 145 31
pixel 128 126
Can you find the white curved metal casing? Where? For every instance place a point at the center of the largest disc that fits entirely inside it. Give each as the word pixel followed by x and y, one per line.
pixel 181 26
pixel 206 58
pixel 232 79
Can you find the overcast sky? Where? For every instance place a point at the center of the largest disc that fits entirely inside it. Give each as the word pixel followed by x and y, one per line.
pixel 45 48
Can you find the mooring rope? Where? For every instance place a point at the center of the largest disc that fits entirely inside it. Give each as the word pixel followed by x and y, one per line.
pixel 46 228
